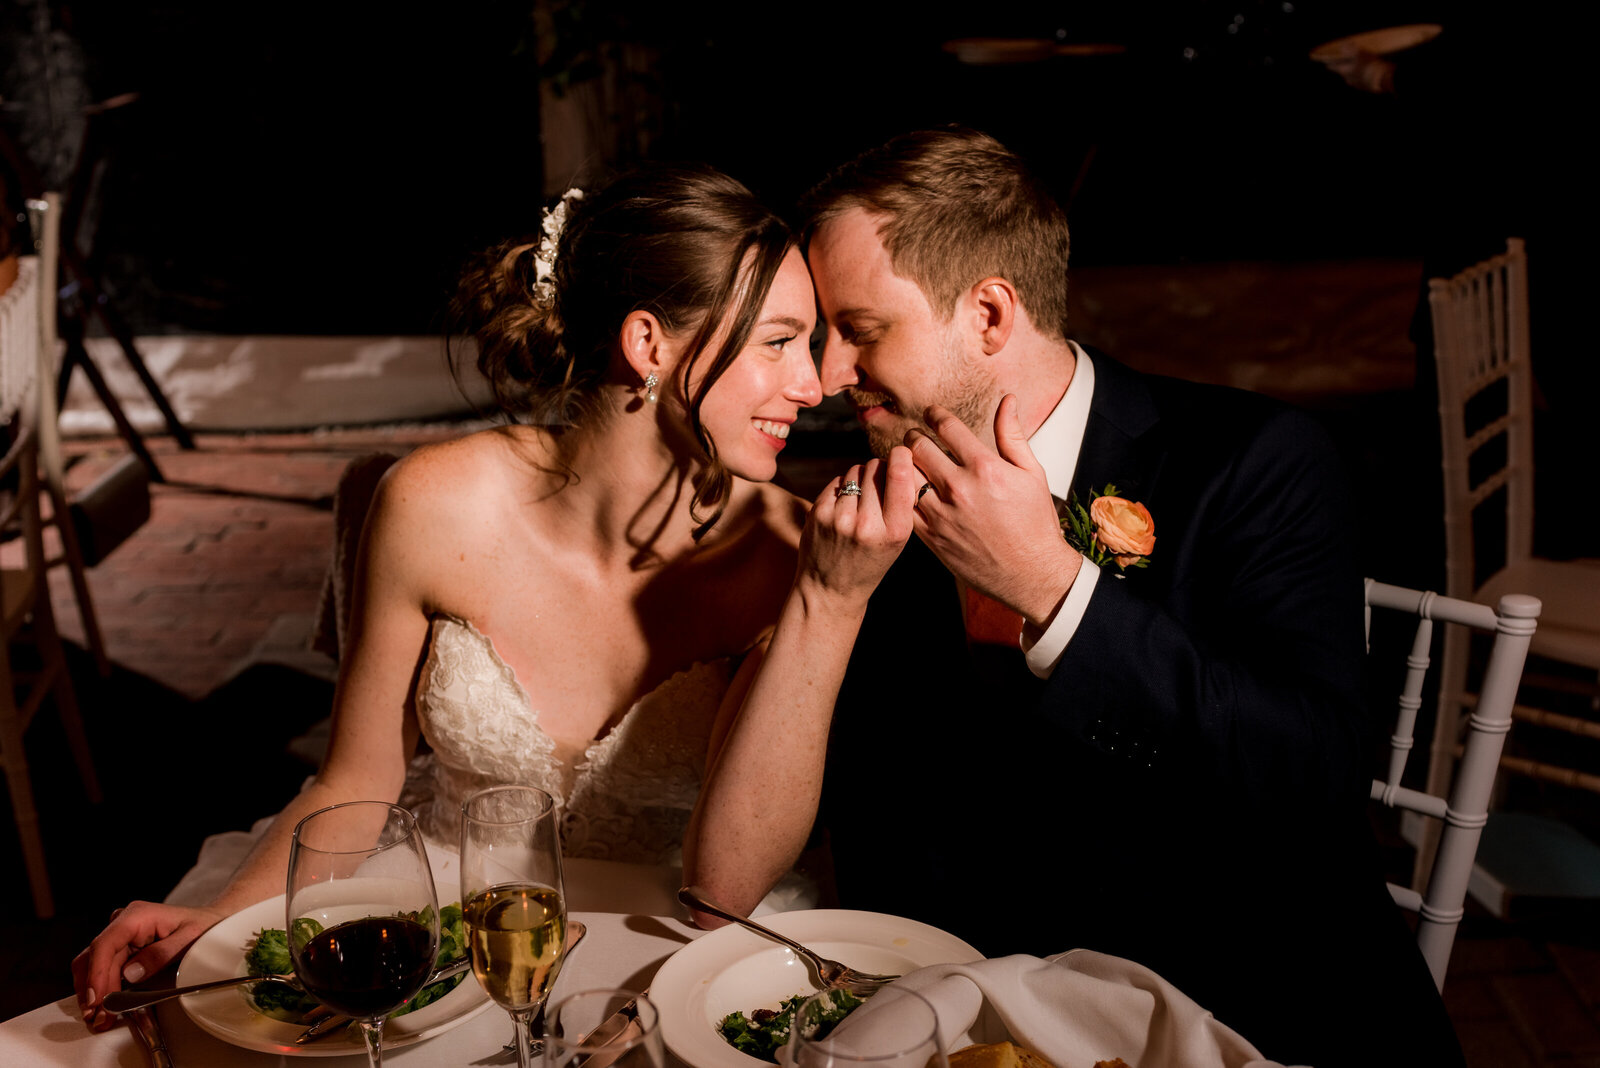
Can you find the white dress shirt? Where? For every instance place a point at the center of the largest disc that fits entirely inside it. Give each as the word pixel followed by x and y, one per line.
pixel 1056 445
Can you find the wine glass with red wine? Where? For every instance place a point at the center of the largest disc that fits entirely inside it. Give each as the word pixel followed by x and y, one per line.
pixel 363 920
pixel 511 900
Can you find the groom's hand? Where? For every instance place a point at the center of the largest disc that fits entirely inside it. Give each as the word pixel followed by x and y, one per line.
pixel 988 516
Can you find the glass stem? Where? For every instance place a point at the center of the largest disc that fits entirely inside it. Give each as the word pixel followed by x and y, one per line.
pixel 524 1023
pixel 372 1031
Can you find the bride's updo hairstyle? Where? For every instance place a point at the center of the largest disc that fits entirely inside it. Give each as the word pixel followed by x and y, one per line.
pixel 688 244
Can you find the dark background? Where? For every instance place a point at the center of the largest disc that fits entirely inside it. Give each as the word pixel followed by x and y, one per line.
pixel 325 167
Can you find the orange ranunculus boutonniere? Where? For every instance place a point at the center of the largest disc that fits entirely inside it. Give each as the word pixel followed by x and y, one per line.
pixel 1111 529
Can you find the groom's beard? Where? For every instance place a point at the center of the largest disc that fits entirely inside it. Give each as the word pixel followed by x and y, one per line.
pixel 880 439
pixel 964 385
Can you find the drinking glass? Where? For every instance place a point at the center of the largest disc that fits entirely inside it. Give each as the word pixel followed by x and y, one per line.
pixel 900 1031
pixel 631 1037
pixel 511 900
pixel 363 920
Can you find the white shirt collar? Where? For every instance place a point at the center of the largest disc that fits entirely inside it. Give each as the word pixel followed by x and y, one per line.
pixel 1059 439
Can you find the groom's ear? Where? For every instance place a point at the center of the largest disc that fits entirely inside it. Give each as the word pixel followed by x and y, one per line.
pixel 644 344
pixel 992 304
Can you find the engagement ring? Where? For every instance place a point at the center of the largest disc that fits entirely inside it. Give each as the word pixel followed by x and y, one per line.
pixel 851 488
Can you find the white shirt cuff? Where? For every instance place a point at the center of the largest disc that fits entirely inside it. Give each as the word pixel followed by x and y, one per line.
pixel 1043 654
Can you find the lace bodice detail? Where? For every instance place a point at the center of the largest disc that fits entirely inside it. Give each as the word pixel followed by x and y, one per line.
pixel 626 796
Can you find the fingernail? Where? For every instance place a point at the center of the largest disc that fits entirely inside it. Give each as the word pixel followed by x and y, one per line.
pixel 133 972
pixel 88 1001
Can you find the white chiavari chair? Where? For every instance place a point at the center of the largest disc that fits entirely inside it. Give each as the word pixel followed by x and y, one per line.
pixel 1462 808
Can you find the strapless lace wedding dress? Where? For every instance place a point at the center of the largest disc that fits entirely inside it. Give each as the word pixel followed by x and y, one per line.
pixel 626 796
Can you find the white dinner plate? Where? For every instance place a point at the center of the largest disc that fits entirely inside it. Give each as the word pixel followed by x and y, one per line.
pixel 1384 42
pixel 735 970
pixel 227 1014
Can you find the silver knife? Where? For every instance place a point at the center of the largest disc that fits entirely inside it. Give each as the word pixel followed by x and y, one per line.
pixel 612 1029
pixel 147 1029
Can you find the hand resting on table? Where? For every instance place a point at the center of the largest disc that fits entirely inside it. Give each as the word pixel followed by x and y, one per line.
pixel 139 941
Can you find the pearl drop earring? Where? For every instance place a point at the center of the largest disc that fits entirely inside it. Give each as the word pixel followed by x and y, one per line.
pixel 650 384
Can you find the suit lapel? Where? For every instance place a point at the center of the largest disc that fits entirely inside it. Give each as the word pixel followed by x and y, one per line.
pixel 1117 442
pixel 1125 444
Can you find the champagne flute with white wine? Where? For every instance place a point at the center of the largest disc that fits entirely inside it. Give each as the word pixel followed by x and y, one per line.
pixel 511 900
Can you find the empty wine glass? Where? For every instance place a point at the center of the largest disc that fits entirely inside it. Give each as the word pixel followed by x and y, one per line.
pixel 511 900
pixel 363 920
pixel 630 1038
pixel 897 1028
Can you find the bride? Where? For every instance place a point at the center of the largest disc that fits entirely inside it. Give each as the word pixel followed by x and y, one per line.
pixel 607 597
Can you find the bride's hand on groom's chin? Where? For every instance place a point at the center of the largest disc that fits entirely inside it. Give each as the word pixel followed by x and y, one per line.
pixel 851 539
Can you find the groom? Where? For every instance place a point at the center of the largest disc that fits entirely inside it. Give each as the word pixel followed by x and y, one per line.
pixel 1167 762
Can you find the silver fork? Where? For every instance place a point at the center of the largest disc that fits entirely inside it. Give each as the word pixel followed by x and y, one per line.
pixel 831 973
pixel 121 1001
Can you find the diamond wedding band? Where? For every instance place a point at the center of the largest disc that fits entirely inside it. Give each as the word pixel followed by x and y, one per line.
pixel 851 488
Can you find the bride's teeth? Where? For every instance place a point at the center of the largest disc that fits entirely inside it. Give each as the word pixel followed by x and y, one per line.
pixel 777 430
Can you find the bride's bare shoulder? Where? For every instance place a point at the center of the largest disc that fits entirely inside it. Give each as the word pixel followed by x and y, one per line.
pixel 463 476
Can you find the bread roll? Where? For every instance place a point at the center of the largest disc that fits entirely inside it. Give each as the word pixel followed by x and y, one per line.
pixel 997 1055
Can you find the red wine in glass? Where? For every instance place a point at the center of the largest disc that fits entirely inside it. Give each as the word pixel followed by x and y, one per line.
pixel 367 967
pixel 363 919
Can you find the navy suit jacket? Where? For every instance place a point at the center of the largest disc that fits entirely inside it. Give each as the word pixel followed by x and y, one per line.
pixel 1188 788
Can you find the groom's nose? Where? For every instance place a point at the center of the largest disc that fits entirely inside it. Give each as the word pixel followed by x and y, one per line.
pixel 837 367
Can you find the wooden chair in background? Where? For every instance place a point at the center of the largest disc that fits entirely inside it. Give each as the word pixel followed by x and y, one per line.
pixel 45 215
pixel 1481 342
pixel 26 682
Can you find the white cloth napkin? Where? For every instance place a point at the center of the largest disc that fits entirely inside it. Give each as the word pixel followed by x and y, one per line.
pixel 1073 1009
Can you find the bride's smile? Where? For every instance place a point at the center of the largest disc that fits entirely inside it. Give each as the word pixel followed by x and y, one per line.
pixel 751 409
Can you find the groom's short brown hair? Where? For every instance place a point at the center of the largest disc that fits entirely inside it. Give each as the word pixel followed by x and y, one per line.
pixel 956 206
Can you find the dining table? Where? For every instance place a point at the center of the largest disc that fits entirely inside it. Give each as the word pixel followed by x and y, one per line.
pixel 634 924
pixel 1068 1004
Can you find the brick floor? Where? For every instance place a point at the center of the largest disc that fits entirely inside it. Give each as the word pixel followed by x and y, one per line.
pixel 239 536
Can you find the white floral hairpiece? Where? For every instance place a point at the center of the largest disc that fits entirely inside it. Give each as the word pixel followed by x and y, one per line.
pixel 544 261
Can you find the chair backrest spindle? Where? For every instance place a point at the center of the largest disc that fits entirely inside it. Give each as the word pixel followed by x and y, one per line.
pixel 1480 323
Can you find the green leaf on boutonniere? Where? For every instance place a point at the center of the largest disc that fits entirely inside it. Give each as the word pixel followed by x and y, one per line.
pixel 1078 529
